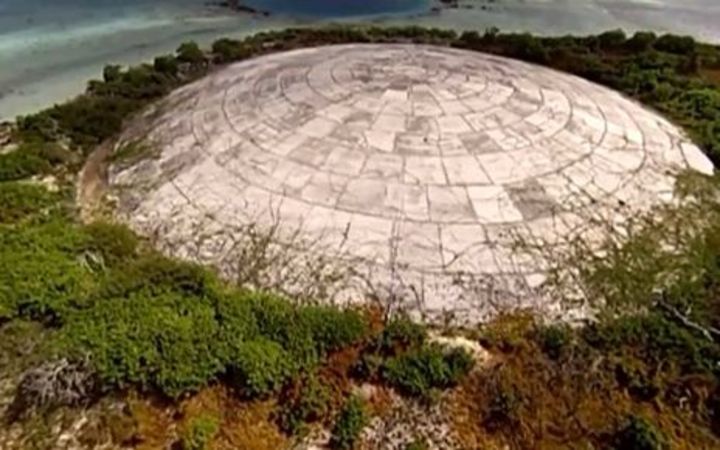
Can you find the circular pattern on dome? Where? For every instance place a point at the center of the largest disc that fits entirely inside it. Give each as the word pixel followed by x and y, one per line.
pixel 418 157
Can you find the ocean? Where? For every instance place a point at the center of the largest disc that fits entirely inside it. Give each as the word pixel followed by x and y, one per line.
pixel 50 48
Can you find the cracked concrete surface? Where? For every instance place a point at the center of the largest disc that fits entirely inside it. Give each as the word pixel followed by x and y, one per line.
pixel 418 167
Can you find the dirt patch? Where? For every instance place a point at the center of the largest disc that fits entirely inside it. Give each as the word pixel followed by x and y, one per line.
pixel 92 182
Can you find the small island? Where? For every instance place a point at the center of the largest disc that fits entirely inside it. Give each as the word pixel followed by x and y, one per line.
pixel 111 338
pixel 239 6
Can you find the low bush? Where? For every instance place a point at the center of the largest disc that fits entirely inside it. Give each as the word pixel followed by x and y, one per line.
pixel 641 41
pixel 166 65
pixel 189 52
pixel 229 50
pixel 555 340
pixel 199 432
pixel 349 424
pixel 166 342
pixel 116 243
pixel 638 434
pixel 260 368
pixel 308 401
pixel 42 276
pixel 417 372
pixel 657 341
pixel 417 444
pixel 157 274
pixel 21 163
pixel 612 40
pixel 503 408
pixel 131 153
pixel 681 45
pixel 401 334
pixel 332 328
pixel 21 201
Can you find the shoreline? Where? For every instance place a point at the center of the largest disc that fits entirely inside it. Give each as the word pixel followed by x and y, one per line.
pixel 50 65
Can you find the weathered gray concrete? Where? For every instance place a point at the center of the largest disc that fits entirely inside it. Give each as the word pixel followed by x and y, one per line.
pixel 418 166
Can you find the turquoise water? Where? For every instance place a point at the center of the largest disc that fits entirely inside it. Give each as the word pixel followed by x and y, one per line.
pixel 50 48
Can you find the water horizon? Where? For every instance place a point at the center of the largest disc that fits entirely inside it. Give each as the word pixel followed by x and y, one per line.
pixel 48 52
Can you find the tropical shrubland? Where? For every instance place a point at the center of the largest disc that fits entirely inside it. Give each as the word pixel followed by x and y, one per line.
pixel 89 311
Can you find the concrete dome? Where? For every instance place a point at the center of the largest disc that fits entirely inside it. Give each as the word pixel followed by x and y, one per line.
pixel 416 166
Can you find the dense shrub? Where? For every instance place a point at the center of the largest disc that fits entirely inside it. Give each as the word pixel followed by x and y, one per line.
pixel 555 340
pixel 611 40
pixel 41 275
pixel 151 322
pixel 189 52
pixel 332 328
pixel 112 73
pixel 199 432
pixel 33 158
pixel 307 402
pixel 417 444
pixel 166 65
pixel 656 340
pixel 525 46
pixel 21 201
pixel 88 120
pixel 20 164
pixel 116 243
pixel 417 372
pixel 638 434
pixel 348 425
pixel 228 50
pixel 160 341
pixel 260 367
pixel 681 45
pixel 641 41
pixel 156 274
pixel 503 409
pixel 401 333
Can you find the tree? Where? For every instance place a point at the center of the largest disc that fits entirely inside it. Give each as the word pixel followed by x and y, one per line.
pixel 189 52
pixel 681 45
pixel 612 39
pixel 167 65
pixel 641 41
pixel 111 73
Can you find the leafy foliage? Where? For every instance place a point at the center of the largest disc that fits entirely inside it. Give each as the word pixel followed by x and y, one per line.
pixel 312 403
pixel 638 434
pixel 20 201
pixel 42 275
pixel 350 422
pixel 401 333
pixel 417 372
pixel 150 322
pixel 199 433
pixel 261 367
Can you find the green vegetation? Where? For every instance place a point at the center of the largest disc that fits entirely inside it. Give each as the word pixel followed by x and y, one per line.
pixel 96 302
pixel 646 374
pixel 350 422
pixel 673 74
pixel 32 159
pixel 20 201
pixel 430 367
pixel 313 403
pixel 199 433
pixel 418 444
pixel 639 435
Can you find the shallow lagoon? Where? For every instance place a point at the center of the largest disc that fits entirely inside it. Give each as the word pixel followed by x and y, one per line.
pixel 49 48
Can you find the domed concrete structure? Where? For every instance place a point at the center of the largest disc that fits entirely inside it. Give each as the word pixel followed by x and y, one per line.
pixel 417 167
